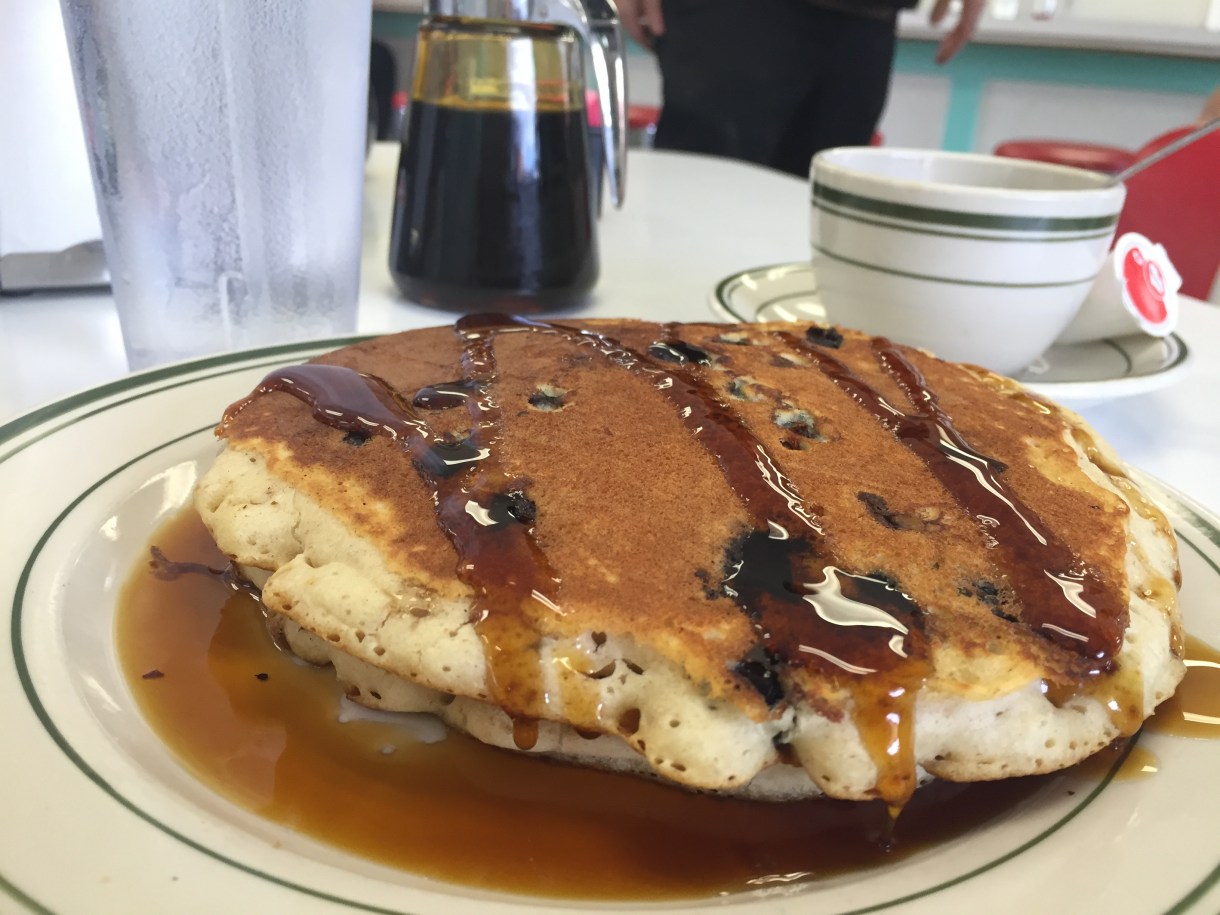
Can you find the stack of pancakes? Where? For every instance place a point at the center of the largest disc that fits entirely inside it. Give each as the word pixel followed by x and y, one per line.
pixel 773 560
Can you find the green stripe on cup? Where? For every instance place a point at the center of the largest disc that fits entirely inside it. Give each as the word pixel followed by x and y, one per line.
pixel 946 279
pixel 924 229
pixel 992 221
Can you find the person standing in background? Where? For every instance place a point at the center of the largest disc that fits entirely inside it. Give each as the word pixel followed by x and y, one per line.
pixel 774 81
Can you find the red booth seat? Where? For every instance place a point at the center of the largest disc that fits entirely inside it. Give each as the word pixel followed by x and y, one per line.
pixel 1175 202
pixel 1093 156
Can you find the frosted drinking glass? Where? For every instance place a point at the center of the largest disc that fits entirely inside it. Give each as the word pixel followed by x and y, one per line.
pixel 226 139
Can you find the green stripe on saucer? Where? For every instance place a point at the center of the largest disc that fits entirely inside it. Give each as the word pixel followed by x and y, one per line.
pixel 992 221
pixel 946 279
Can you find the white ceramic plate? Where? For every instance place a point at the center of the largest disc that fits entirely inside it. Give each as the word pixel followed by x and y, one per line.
pixel 1078 374
pixel 98 816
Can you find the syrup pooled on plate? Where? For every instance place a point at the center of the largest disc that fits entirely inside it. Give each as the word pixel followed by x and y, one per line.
pixel 267 731
pixel 1194 710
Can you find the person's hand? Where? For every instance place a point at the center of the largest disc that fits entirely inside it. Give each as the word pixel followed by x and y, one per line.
pixel 642 19
pixel 962 32
pixel 1211 109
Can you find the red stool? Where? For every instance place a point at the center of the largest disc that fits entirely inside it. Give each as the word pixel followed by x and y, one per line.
pixel 1175 202
pixel 1093 156
pixel 641 120
pixel 642 124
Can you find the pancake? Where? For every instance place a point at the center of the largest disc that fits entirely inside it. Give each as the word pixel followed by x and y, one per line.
pixel 775 560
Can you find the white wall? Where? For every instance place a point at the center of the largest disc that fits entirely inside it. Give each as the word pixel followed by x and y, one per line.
pixel 1161 12
pixel 643 80
pixel 1012 110
pixel 916 110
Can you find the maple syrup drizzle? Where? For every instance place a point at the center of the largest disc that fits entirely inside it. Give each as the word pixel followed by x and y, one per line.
pixel 1062 599
pixel 787 536
pixel 165 569
pixel 355 402
pixel 500 560
pixel 444 396
pixel 848 625
pixel 498 557
pixel 677 351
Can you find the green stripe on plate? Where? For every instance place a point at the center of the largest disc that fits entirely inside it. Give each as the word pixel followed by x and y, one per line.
pixel 923 228
pixel 724 289
pixel 994 221
pixel 15 893
pixel 946 279
pixel 38 418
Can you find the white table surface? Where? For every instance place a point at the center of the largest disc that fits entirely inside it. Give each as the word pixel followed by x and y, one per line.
pixel 689 221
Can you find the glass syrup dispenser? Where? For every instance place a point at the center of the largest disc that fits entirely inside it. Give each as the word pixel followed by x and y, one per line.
pixel 496 205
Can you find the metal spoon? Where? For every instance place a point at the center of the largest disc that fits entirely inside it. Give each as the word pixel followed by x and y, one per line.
pixel 1166 151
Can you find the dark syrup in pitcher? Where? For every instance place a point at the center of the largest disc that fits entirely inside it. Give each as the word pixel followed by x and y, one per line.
pixel 494 209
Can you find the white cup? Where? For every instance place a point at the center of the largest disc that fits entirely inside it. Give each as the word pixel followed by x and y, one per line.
pixel 977 258
pixel 226 139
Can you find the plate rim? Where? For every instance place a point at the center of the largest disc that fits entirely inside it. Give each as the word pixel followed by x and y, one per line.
pixel 27 421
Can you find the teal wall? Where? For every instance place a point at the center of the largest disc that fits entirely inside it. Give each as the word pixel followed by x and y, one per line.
pixel 395 25
pixel 977 64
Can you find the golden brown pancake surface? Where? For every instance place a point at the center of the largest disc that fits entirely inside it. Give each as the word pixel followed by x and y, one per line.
pixel 801 524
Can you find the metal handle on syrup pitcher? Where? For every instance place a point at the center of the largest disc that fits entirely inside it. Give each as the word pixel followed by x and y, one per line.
pixel 598 23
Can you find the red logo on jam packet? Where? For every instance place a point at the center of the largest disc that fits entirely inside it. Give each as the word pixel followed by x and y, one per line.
pixel 1144 284
pixel 1136 291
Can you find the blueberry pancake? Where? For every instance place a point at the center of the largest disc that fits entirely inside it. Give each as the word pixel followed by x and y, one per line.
pixel 769 559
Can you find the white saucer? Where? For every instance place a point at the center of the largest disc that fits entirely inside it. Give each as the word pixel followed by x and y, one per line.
pixel 1080 373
